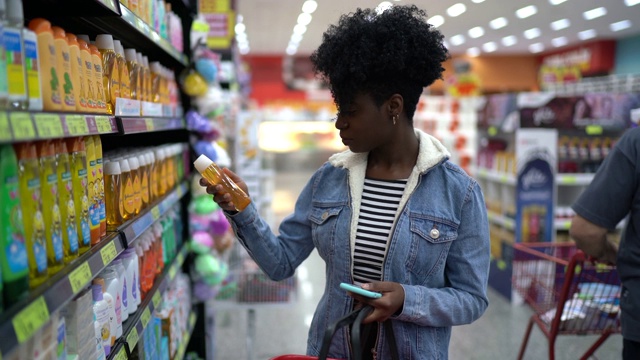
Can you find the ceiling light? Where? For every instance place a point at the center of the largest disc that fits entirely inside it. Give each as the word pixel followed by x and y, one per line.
pixel 526 11
pixel 436 21
pixel 299 29
pixel 477 1
pixel 556 2
pixel 476 32
pixel 559 41
pixel 509 40
pixel 620 25
pixel 532 33
pixel 491 46
pixel 498 23
pixel 536 48
pixel 240 28
pixel 244 50
pixel 291 50
pixel 241 37
pixel 594 13
pixel 296 38
pixel 309 6
pixel 457 40
pixel 631 2
pixel 474 51
pixel 445 43
pixel 304 19
pixel 560 24
pixel 383 6
pixel 456 9
pixel 587 34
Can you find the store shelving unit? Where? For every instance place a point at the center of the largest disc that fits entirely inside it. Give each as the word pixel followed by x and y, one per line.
pixel 186 337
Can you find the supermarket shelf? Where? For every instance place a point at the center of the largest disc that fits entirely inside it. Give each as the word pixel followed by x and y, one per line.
pixel 24 125
pixel 186 337
pixel 21 321
pixel 495 176
pixel 134 125
pixel 579 179
pixel 135 325
pixel 562 224
pixel 135 227
pixel 501 220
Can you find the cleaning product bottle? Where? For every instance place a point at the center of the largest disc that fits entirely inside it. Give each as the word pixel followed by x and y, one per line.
pixel 129 260
pixel 52 215
pixel 97 142
pixel 215 175
pixel 13 252
pixel 125 81
pixel 88 76
pixel 133 69
pixel 50 80
pixel 14 50
pixel 80 196
pixel 110 70
pixel 111 303
pixel 67 205
pixel 32 68
pixel 3 58
pixel 92 190
pixel 112 176
pixel 33 220
pixel 122 278
pixel 67 86
pixel 77 73
pixel 101 313
pixel 101 94
pixel 112 283
pixel 134 167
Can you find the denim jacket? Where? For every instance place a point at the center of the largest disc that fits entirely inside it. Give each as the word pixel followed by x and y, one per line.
pixel 439 250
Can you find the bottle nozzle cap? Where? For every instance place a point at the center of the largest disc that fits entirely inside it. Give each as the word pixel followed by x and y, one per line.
pixel 202 163
pixel 130 55
pixel 104 42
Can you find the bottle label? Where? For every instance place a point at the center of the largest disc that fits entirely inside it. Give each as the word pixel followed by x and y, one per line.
pixel 39 242
pixel 125 303
pixel 129 204
pixel 33 70
pixel 94 210
pixel 84 221
pixel 16 250
pixel 118 309
pixel 15 62
pixel 3 65
pixel 56 233
pixel 134 291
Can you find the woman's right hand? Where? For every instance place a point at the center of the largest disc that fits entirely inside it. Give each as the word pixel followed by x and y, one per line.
pixel 222 196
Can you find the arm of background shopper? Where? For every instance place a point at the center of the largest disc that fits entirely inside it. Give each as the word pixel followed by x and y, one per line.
pixel 592 239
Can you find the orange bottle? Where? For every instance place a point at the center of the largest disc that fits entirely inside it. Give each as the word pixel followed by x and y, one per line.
pixel 101 96
pixel 67 85
pixel 77 73
pixel 48 62
pixel 88 76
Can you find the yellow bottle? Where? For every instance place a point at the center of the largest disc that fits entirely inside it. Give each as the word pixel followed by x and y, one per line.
pixel 171 167
pixel 134 166
pixel 142 92
pixel 92 190
pixel 50 203
pixel 162 172
pixel 103 216
pixel 48 62
pixel 32 217
pixel 80 197
pixel 147 79
pixel 110 71
pixel 164 86
pixel 88 76
pixel 67 86
pixel 101 95
pixel 125 2
pixel 112 178
pixel 77 73
pixel 125 81
pixel 156 76
pixel 215 175
pixel 67 206
pixel 144 179
pixel 153 176
pixel 133 69
pixel 127 207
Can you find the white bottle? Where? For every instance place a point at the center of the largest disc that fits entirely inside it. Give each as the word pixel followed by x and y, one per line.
pixel 133 290
pixel 101 313
pixel 113 322
pixel 114 289
pixel 122 279
pixel 32 69
pixel 139 253
pixel 99 354
pixel 14 49
pixel 3 59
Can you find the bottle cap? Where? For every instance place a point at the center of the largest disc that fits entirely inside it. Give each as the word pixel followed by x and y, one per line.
pixel 96 291
pixel 61 146
pixel 133 163
pixel 105 42
pixel 202 163
pixel 118 47
pixel 124 165
pixel 146 60
pixel 112 168
pixel 72 39
pixel 40 25
pixel 100 282
pixel 142 159
pixel 46 148
pixel 75 144
pixel 59 33
pixel 155 67
pixel 84 38
pixel 14 11
pixel 94 51
pixel 140 58
pixel 83 45
pixel 130 55
pixel 26 150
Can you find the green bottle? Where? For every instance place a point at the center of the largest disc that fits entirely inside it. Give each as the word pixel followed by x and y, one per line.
pixel 13 252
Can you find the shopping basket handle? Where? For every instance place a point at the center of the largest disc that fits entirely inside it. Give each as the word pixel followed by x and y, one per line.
pixel 356 346
pixel 331 330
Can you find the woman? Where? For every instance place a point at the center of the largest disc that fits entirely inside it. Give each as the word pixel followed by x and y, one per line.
pixel 391 213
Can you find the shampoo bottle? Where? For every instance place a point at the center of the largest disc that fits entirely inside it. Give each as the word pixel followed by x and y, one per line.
pixel 101 202
pixel 101 312
pixel 123 75
pixel 92 190
pixel 32 67
pixel 67 205
pixel 133 69
pixel 111 303
pixel 96 57
pixel 110 71
pixel 112 194
pixel 14 50
pixel 77 73
pixel 122 278
pixel 80 196
pixel 88 76
pixel 127 202
pixel 50 80
pixel 114 289
pixel 215 175
pixel 67 86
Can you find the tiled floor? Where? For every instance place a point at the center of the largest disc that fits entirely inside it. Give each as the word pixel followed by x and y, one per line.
pixel 282 329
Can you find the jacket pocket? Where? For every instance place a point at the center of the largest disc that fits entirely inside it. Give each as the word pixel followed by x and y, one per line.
pixel 431 239
pixel 323 226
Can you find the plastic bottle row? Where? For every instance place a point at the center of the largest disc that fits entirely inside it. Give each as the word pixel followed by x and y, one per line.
pixel 135 178
pixel 159 15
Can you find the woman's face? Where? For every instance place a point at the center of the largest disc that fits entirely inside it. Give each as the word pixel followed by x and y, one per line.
pixel 363 125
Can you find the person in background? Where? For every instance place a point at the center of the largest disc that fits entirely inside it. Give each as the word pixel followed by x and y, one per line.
pixel 613 195
pixel 391 213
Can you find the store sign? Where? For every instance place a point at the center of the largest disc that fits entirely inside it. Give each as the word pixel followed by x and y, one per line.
pixel 571 65
pixel 220 17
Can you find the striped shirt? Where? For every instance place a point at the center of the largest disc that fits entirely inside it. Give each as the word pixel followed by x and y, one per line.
pixel 380 200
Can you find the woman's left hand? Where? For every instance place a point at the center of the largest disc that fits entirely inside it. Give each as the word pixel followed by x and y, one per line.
pixel 392 300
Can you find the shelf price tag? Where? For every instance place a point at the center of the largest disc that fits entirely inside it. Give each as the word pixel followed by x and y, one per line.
pixel 145 317
pixel 77 125
pixel 132 338
pixel 30 319
pixel 80 277
pixel 108 253
pixel 5 129
pixel 121 355
pixel 156 299
pixel 22 126
pixel 180 259
pixel 569 180
pixel 155 213
pixel 48 125
pixel 172 272
pixel 103 123
pixel 149 124
pixel 594 130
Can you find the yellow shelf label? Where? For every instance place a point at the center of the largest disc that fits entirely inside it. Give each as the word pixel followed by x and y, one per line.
pixel 594 130
pixel 149 123
pixel 121 355
pixel 156 299
pixel 77 125
pixel 48 125
pixel 22 126
pixel 180 259
pixel 5 129
pixel 108 253
pixel 493 131
pixel 569 179
pixel 80 277
pixel 132 338
pixel 30 319
pixel 172 272
pixel 103 123
pixel 155 213
pixel 145 317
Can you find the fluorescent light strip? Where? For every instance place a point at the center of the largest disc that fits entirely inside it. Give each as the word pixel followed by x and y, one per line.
pixel 491 46
pixel 456 40
pixel 587 34
pixel 559 41
pixel 456 9
pixel 594 13
pixel 309 6
pixel 532 33
pixel 509 40
pixel 477 1
pixel 556 2
pixel 620 25
pixel 560 24
pixel 473 52
pixel 536 48
pixel 631 2
pixel 526 11
pixel 498 23
pixel 436 21
pixel 476 32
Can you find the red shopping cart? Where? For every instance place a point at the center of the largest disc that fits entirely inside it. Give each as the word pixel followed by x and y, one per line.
pixel 570 295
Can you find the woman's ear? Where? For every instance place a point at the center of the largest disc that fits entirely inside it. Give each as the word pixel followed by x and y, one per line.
pixel 396 104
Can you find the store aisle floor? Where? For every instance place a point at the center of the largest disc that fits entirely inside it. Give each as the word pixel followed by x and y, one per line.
pixel 282 329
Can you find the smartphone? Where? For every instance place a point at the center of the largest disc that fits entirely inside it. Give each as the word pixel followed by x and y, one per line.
pixel 360 291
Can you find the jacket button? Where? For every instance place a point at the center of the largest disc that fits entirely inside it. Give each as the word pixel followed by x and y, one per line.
pixel 325 215
pixel 434 233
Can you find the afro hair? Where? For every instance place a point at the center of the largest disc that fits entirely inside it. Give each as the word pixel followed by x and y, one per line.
pixel 381 54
